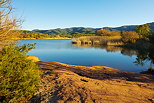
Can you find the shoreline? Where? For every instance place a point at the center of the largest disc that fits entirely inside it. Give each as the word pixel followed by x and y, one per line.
pixel 43 38
pixel 143 72
pixel 69 65
pixel 37 59
pixel 60 82
pixel 91 83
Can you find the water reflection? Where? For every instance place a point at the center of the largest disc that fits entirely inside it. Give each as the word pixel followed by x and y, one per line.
pixel 142 56
pixel 146 55
pixel 63 51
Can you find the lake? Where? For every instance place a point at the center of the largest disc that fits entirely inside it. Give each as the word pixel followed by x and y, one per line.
pixel 62 50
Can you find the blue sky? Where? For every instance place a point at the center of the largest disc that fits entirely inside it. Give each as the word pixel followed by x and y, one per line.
pixel 50 14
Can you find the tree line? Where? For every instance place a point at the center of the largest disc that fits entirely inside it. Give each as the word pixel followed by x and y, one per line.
pixel 32 34
pixel 141 40
pixel 142 32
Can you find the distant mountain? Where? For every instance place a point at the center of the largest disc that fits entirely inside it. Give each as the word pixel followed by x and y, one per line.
pixel 83 30
pixel 122 28
pixel 152 26
pixel 128 27
pixel 73 30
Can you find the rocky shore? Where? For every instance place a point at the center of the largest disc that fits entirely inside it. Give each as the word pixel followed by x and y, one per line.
pixel 62 83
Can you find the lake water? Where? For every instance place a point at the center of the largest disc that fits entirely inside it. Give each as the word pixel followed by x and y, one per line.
pixel 61 50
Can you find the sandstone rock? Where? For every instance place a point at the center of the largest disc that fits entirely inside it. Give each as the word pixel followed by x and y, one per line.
pixel 62 83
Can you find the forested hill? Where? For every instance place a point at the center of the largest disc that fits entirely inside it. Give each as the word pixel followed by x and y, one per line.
pixel 82 30
pixel 73 30
pixel 128 27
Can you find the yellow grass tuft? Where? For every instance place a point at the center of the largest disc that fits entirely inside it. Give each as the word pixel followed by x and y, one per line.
pixel 34 58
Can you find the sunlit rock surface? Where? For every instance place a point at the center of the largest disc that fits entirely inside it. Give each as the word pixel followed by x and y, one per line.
pixel 34 58
pixel 62 83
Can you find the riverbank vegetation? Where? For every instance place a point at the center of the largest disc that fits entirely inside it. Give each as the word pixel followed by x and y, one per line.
pixel 19 76
pixel 37 35
pixel 76 32
pixel 141 40
pixel 106 37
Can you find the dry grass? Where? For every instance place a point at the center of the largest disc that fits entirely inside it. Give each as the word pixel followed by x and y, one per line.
pixel 100 38
pixel 34 58
pixel 105 40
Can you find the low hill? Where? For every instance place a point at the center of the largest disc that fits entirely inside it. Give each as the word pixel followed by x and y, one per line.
pixel 83 30
pixel 129 27
pixel 73 30
pixel 152 26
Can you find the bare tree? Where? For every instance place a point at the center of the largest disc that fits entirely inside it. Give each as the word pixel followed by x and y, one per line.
pixel 8 26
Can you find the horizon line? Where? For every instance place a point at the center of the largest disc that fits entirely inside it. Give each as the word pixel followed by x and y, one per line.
pixel 89 27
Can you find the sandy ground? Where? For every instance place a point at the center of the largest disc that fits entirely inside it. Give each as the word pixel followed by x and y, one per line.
pixel 62 83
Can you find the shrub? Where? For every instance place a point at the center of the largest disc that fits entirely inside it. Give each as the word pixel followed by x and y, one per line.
pixel 19 76
pixel 105 32
pixel 129 36
pixel 143 30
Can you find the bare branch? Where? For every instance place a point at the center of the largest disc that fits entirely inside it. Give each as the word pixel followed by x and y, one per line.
pixel 8 26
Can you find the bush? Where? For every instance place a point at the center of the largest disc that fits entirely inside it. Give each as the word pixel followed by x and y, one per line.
pixel 105 32
pixel 19 76
pixel 129 36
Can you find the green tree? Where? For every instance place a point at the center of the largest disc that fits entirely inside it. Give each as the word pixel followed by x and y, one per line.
pixel 143 30
pixel 19 76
